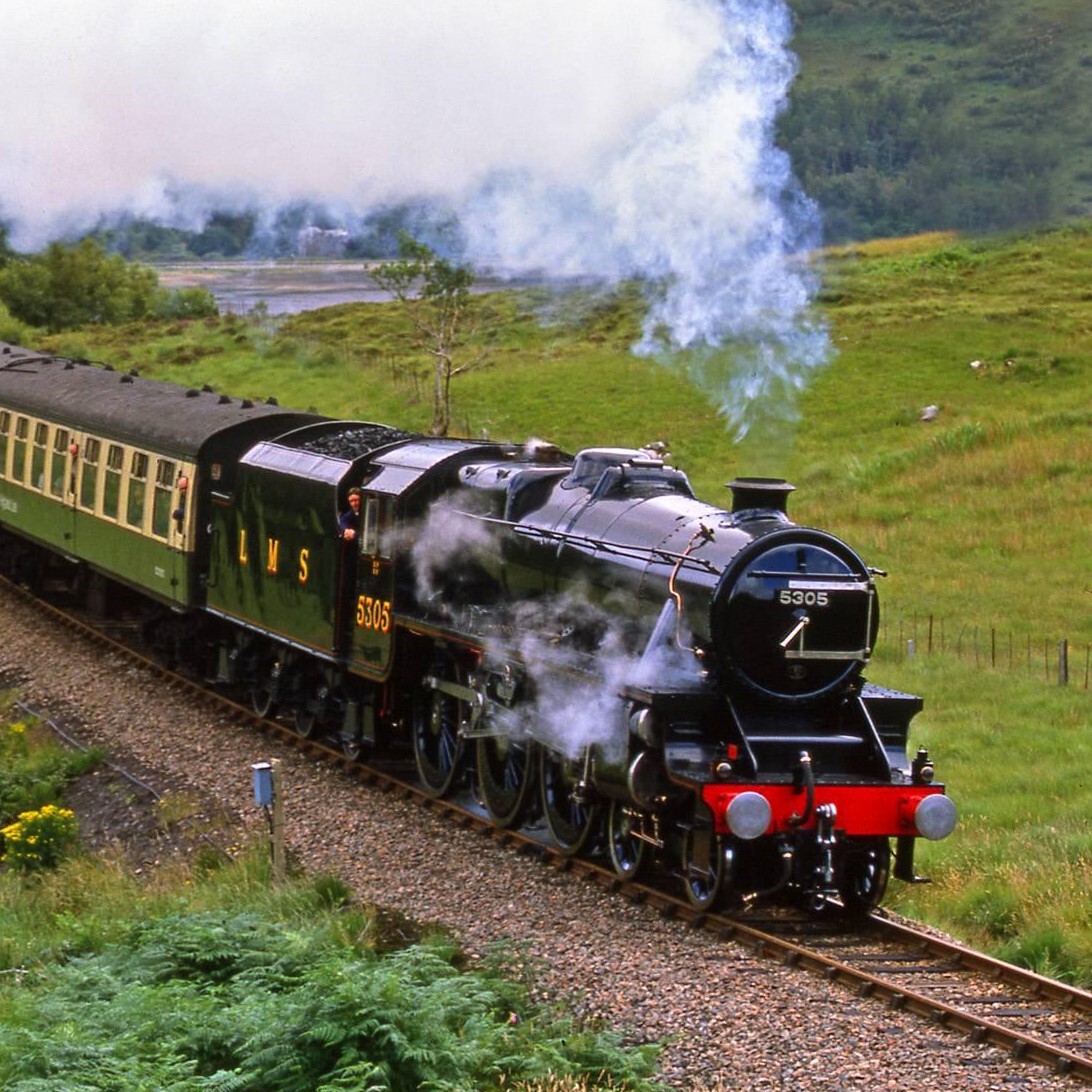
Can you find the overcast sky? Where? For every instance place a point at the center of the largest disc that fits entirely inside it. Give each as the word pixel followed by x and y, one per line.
pixel 608 139
pixel 354 99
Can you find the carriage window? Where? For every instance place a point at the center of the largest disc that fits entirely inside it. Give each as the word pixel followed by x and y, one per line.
pixel 19 450
pixel 58 461
pixel 138 488
pixel 89 473
pixel 37 456
pixel 161 502
pixel 111 487
pixel 5 428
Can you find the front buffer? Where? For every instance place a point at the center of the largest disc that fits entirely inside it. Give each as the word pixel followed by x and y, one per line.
pixel 832 839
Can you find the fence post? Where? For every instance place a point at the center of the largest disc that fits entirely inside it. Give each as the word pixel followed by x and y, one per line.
pixel 935 640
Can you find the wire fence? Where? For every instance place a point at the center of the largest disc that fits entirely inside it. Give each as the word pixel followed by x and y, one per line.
pixel 1052 659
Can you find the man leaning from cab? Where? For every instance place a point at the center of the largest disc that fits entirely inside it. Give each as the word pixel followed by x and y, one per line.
pixel 348 523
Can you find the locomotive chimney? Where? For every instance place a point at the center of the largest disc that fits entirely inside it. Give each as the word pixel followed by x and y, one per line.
pixel 749 493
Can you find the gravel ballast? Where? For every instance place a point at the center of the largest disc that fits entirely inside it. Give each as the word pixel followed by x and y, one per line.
pixel 730 1020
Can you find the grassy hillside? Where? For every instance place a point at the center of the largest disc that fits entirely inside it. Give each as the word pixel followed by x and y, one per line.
pixel 984 512
pixel 967 114
pixel 982 516
pixel 997 487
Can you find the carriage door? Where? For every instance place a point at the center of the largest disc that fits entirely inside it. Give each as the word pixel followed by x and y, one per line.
pixel 373 624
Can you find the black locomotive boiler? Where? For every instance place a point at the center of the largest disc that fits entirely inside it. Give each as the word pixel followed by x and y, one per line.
pixel 582 640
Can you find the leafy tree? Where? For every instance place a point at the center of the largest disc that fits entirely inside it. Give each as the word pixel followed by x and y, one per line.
pixel 138 239
pixel 226 234
pixel 69 286
pixel 435 295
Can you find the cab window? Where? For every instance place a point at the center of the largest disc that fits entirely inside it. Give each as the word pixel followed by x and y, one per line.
pixel 375 519
pixel 138 489
pixel 369 534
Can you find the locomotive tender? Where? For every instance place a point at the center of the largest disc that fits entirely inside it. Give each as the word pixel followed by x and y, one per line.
pixel 642 672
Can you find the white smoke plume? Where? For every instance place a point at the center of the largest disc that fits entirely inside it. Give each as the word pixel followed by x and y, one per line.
pixel 117 103
pixel 577 701
pixel 445 549
pixel 606 139
pixel 577 655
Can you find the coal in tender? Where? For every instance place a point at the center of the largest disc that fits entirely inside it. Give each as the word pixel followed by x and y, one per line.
pixel 357 440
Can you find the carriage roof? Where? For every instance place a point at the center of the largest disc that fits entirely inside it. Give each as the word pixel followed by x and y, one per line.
pixel 125 405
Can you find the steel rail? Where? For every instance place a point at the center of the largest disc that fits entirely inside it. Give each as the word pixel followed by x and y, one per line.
pixel 1052 989
pixel 962 961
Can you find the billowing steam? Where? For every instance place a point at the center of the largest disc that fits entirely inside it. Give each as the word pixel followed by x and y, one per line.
pixel 698 204
pixel 576 703
pixel 605 139
pixel 577 653
pixel 446 550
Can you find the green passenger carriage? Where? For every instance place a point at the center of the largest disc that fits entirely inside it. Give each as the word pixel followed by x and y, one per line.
pixel 114 473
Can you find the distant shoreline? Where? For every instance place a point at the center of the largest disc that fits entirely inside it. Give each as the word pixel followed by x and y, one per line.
pixel 285 286
pixel 289 285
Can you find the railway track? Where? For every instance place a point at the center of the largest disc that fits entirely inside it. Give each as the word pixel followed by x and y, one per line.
pixel 1036 1019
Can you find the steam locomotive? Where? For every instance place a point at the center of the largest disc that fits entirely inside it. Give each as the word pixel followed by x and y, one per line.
pixel 583 642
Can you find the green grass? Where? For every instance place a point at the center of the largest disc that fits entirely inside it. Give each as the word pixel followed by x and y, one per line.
pixel 995 495
pixel 1016 877
pixel 983 517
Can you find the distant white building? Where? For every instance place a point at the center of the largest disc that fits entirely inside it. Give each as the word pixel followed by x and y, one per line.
pixel 314 242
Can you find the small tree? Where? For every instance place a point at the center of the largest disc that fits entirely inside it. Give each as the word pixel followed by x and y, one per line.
pixel 435 296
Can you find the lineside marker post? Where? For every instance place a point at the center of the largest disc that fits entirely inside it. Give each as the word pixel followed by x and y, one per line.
pixel 269 795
